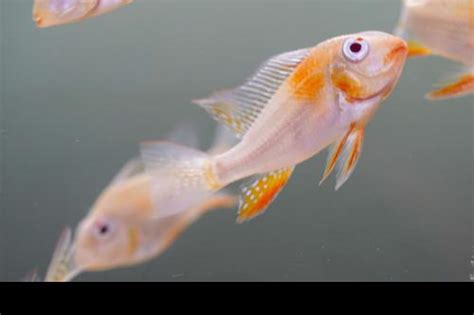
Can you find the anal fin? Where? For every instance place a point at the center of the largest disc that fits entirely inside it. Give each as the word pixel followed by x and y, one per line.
pixel 462 86
pixel 258 195
pixel 344 154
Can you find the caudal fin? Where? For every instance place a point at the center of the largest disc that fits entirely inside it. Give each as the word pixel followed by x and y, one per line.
pixel 181 176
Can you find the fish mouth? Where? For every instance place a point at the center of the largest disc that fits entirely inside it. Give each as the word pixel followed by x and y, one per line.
pixel 396 56
pixel 393 62
pixel 63 266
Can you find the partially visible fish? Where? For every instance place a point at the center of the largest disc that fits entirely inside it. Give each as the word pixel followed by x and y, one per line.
pixel 56 12
pixel 32 276
pixel 296 104
pixel 444 28
pixel 125 226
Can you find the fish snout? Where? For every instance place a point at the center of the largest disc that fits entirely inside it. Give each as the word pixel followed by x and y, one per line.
pixel 398 53
pixel 38 20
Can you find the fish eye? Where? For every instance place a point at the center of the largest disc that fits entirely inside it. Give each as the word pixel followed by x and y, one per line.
pixel 103 229
pixel 355 49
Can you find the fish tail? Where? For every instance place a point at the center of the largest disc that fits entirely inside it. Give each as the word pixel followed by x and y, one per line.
pixel 188 170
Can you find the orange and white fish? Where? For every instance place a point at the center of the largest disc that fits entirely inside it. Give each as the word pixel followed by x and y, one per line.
pixel 295 105
pixel 444 28
pixel 56 12
pixel 124 226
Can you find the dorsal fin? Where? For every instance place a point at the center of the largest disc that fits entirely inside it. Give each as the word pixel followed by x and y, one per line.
pixel 132 167
pixel 238 108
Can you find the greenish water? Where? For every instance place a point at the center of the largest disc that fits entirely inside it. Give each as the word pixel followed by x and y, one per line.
pixel 77 99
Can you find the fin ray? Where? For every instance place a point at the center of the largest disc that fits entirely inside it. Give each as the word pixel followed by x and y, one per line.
pixel 344 155
pixel 349 157
pixel 238 108
pixel 259 194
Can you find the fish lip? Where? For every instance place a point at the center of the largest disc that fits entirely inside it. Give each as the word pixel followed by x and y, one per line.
pixel 396 56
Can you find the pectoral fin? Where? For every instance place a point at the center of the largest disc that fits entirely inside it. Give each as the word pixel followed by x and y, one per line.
pixel 258 195
pixel 416 49
pixel 344 154
pixel 463 86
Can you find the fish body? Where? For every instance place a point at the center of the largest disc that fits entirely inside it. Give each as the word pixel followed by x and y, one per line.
pixel 128 213
pixel 295 105
pixel 444 28
pixel 48 13
pixel 124 226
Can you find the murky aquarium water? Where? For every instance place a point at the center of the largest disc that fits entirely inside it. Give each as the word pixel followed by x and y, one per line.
pixel 78 99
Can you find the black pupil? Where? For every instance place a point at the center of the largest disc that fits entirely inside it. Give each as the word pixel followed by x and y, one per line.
pixel 355 47
pixel 103 229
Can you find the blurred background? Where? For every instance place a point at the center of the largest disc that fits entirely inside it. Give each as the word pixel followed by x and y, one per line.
pixel 77 99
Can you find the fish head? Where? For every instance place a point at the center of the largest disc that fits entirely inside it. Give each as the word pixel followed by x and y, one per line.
pixel 367 65
pixel 105 241
pixel 48 13
pixel 55 12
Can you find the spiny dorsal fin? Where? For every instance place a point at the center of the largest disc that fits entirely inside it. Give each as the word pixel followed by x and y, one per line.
pixel 343 155
pixel 258 195
pixel 238 108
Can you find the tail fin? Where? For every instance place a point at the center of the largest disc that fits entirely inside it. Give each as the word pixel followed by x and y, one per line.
pixel 181 176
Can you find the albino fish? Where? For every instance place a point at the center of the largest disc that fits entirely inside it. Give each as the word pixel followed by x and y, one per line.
pixel 56 12
pixel 296 104
pixel 125 226
pixel 444 28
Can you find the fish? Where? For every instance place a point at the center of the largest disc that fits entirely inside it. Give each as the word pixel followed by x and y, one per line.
pixel 47 13
pixel 443 28
pixel 124 226
pixel 295 105
pixel 32 276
